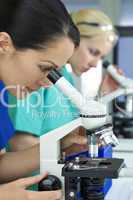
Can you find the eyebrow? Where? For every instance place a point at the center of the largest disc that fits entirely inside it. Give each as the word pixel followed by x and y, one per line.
pixel 95 50
pixel 44 67
pixel 89 24
pixel 50 62
pixel 99 52
pixel 103 57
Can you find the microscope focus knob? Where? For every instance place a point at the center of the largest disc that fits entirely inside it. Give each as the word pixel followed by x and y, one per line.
pixel 50 183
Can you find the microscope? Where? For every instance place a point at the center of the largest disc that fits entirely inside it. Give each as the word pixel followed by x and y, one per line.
pixel 122 117
pixel 80 178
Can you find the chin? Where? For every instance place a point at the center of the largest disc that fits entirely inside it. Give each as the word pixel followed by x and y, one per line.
pixel 78 73
pixel 19 94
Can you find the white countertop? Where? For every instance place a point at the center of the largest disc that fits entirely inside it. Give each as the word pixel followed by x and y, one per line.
pixel 125 145
pixel 122 189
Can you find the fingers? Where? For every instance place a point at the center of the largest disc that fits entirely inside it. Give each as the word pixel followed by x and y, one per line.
pixel 26 182
pixel 50 195
pixel 120 71
pixel 79 140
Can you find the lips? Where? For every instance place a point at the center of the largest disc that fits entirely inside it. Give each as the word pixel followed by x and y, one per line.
pixel 29 89
pixel 86 69
pixel 46 85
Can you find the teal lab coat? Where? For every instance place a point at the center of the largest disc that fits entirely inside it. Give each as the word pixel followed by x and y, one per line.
pixel 44 110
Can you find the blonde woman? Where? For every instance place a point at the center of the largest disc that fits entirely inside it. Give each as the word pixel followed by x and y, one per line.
pixel 98 37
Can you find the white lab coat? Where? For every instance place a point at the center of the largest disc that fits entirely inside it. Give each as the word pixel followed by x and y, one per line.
pixel 89 82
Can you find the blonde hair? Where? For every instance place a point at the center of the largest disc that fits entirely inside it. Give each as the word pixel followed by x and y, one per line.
pixel 92 23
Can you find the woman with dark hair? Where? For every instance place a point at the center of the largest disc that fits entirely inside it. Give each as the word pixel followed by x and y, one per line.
pixel 35 36
pixel 34 118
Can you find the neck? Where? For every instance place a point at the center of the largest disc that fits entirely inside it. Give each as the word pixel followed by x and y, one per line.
pixel 2 64
pixel 0 72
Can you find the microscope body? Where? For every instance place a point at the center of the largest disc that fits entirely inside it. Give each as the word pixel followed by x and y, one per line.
pixel 85 177
pixel 88 172
pixel 123 116
pixel 72 186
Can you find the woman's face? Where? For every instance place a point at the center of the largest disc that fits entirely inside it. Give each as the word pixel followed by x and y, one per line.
pixel 89 53
pixel 29 68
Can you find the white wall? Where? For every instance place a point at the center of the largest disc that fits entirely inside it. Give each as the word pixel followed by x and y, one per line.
pixel 120 11
pixel 78 4
pixel 127 12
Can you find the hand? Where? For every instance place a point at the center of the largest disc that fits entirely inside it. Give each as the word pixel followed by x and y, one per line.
pixel 78 136
pixel 108 84
pixel 17 190
pixel 75 149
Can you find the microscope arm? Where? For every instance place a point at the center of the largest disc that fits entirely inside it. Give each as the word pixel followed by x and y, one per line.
pixel 93 113
pixel 109 97
pixel 123 81
pixel 71 92
pixel 125 88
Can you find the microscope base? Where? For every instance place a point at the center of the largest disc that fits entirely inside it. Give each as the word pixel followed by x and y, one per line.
pixel 104 152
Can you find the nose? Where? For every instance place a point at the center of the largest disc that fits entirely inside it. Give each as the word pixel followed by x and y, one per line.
pixel 94 62
pixel 44 83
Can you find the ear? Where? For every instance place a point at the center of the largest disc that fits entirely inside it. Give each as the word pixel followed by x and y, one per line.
pixel 6 45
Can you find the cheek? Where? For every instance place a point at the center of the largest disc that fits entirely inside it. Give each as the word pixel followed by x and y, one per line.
pixel 83 57
pixel 30 74
pixel 80 57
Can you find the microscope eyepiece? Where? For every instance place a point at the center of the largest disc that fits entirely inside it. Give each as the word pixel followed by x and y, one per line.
pixel 54 76
pixel 106 63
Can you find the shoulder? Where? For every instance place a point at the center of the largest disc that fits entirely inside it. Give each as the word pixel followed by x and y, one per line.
pixel 66 71
pixel 6 127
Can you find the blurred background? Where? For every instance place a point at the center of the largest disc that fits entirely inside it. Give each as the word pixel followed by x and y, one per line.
pixel 120 11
